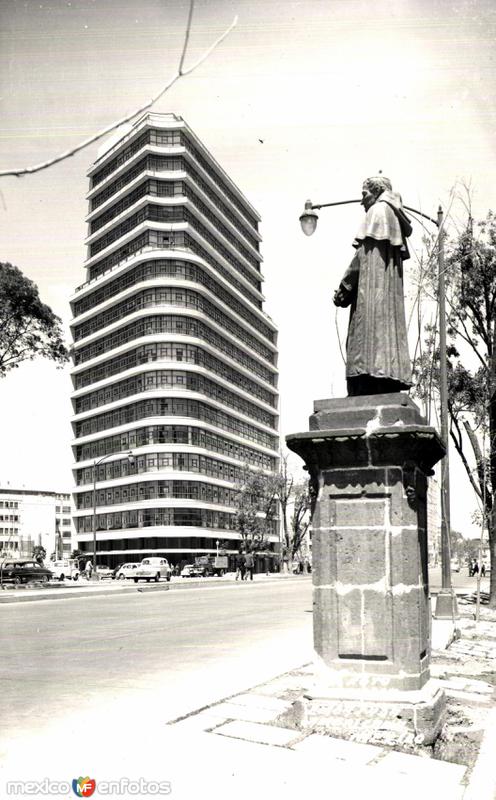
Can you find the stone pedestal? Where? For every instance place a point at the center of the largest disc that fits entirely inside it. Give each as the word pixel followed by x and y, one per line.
pixel 369 459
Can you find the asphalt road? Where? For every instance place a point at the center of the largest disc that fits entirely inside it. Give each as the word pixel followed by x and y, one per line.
pixel 461 581
pixel 100 662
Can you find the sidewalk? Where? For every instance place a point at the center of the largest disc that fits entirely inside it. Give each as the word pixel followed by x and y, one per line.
pixel 461 766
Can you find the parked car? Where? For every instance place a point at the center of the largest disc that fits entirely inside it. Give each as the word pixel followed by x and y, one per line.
pixel 24 572
pixel 103 572
pixel 65 568
pixel 125 571
pixel 153 568
pixel 188 571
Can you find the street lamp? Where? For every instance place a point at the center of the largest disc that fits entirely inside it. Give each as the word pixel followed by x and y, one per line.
pixel 130 457
pixel 446 606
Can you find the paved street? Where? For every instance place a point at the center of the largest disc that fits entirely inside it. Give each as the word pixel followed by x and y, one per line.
pixel 461 581
pixel 146 657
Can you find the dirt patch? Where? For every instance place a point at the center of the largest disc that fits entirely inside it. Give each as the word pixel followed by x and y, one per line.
pixel 462 733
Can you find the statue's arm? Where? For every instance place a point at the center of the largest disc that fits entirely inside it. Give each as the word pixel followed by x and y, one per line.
pixel 347 289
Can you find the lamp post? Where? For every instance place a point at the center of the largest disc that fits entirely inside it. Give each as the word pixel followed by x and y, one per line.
pixel 96 463
pixel 446 606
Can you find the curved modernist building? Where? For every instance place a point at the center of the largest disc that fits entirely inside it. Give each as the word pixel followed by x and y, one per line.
pixel 175 361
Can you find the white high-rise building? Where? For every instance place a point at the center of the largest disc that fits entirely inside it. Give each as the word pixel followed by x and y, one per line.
pixel 174 357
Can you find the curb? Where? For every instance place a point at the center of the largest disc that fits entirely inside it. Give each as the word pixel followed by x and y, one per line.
pixel 71 592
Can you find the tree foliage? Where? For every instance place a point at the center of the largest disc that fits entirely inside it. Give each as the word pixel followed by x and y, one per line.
pixel 256 509
pixel 39 553
pixel 294 499
pixel 471 364
pixel 28 327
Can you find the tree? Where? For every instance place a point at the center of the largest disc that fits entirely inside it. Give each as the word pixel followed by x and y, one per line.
pixel 471 359
pixel 78 557
pixel 295 496
pixel 256 509
pixel 300 518
pixel 28 327
pixel 458 545
pixel 39 553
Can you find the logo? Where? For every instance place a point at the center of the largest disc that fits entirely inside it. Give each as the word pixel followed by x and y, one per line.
pixel 83 787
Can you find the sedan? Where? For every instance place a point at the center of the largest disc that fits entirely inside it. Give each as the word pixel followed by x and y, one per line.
pixel 126 571
pixel 103 572
pixel 24 572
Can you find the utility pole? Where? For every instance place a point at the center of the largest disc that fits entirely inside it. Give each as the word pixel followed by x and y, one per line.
pixel 446 605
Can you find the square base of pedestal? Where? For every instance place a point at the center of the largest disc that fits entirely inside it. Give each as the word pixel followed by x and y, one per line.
pixel 384 717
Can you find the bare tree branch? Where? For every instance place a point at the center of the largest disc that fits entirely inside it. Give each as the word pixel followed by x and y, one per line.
pixel 459 450
pixel 21 171
pixel 186 36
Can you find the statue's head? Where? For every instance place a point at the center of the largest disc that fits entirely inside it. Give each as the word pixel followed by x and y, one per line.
pixel 372 188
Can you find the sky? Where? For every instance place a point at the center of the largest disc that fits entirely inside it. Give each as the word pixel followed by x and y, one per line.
pixel 302 100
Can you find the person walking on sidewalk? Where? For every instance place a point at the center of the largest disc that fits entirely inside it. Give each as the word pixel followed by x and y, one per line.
pixel 88 569
pixel 240 566
pixel 249 564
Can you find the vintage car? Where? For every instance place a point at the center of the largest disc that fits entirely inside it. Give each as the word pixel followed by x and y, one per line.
pixel 24 572
pixel 126 571
pixel 188 571
pixel 102 571
pixel 152 569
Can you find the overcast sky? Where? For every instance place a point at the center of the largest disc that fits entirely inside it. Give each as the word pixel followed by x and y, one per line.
pixel 303 100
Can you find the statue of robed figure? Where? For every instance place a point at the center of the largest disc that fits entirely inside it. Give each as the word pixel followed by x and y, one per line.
pixel 377 346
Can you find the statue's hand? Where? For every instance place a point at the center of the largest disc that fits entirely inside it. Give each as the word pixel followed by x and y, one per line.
pixel 338 298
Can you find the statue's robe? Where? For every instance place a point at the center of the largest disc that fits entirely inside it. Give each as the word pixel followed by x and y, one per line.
pixel 377 344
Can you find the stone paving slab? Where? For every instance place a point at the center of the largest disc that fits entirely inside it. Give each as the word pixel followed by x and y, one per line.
pixel 429 768
pixel 468 685
pixel 285 683
pixel 245 713
pixel 329 747
pixel 475 649
pixel 469 697
pixel 254 700
pixel 260 734
pixel 203 721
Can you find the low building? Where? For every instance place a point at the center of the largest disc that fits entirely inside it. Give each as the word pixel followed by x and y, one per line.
pixel 30 517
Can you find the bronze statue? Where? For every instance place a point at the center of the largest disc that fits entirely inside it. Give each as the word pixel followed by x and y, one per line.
pixel 377 347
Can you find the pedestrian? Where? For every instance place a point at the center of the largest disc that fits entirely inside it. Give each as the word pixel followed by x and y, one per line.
pixel 240 566
pixel 476 568
pixel 88 569
pixel 249 564
pixel 483 570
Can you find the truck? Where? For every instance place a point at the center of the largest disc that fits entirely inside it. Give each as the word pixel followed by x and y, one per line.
pixel 211 565
pixel 65 568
